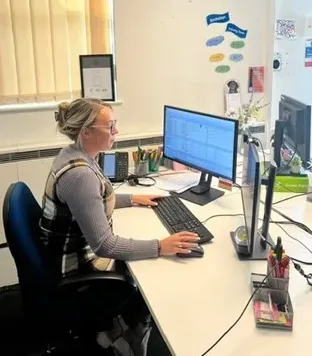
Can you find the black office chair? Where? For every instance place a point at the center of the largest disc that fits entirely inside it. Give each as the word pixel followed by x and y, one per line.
pixel 77 303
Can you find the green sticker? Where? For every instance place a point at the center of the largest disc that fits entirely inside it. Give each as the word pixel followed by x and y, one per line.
pixel 223 69
pixel 238 44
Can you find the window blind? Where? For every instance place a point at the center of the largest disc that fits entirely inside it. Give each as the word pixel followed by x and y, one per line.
pixel 41 41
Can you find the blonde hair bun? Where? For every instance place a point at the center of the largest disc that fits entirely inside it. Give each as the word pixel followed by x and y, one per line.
pixel 60 115
pixel 71 117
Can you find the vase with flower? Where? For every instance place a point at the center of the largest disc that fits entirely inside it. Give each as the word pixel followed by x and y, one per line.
pixel 246 114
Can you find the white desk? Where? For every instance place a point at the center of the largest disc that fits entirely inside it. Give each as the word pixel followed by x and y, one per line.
pixel 194 301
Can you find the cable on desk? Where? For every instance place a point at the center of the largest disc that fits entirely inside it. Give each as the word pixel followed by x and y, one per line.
pixel 239 318
pixel 235 185
pixel 118 186
pixel 220 215
pixel 292 197
pixel 299 224
pixel 288 234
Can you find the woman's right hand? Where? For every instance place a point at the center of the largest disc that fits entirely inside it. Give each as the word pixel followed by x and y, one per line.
pixel 180 242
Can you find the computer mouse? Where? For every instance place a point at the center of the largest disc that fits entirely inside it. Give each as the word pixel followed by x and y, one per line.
pixel 197 251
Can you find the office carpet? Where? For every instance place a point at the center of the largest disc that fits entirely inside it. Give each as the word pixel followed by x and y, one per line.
pixel 19 339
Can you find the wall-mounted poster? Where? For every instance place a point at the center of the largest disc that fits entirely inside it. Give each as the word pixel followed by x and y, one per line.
pixel 256 79
pixel 97 76
pixel 308 53
pixel 285 29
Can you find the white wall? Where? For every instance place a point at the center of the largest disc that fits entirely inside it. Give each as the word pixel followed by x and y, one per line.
pixel 162 58
pixel 294 79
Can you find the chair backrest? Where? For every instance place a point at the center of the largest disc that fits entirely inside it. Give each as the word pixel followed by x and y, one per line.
pixel 21 214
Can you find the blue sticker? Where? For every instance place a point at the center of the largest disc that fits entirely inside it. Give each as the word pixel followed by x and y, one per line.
pixel 217 18
pixel 236 30
pixel 236 57
pixel 214 41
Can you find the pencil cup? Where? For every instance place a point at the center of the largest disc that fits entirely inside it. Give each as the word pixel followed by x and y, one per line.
pixel 141 168
pixel 153 165
pixel 274 281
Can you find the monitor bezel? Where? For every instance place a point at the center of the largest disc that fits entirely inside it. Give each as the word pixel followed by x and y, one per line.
pixel 256 199
pixel 233 179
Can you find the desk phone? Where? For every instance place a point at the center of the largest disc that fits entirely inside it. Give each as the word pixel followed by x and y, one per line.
pixel 115 165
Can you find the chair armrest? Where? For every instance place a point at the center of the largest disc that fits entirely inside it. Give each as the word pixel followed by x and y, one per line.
pixel 86 296
pixel 105 279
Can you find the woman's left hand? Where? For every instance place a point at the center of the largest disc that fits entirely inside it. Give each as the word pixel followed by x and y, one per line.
pixel 146 200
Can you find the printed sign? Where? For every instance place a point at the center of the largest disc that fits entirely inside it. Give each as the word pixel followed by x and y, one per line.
pixel 236 30
pixel 217 18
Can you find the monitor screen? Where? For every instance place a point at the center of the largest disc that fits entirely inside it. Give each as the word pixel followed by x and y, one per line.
pixel 201 141
pixel 109 166
pixel 251 185
pixel 297 126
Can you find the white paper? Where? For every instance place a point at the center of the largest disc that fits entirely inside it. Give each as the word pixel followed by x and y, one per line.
pixel 177 182
pixel 285 29
pixel 233 101
pixel 97 83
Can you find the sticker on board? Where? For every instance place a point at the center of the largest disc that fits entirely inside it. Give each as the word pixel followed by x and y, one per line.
pixel 223 69
pixel 237 44
pixel 217 57
pixel 214 41
pixel 236 57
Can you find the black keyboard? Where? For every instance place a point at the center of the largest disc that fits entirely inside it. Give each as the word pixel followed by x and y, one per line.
pixel 176 217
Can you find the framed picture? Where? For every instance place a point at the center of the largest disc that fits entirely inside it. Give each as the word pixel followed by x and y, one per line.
pixel 97 76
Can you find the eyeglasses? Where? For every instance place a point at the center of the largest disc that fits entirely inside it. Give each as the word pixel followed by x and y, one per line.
pixel 111 125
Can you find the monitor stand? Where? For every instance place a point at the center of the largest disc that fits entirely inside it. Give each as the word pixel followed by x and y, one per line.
pixel 202 193
pixel 260 250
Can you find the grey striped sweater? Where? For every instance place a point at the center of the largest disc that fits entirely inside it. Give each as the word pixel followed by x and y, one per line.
pixel 86 206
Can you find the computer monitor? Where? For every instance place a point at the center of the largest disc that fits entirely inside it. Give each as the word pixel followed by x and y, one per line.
pixel 270 183
pixel 247 240
pixel 292 131
pixel 205 142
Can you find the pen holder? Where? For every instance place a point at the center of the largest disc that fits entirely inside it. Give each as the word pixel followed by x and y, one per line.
pixel 276 282
pixel 153 165
pixel 141 168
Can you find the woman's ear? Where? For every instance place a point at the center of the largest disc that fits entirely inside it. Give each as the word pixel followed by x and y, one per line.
pixel 85 132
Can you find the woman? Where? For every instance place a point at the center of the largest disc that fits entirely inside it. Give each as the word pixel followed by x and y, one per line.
pixel 79 200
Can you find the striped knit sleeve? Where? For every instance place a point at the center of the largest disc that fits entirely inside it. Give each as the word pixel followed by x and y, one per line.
pixel 123 201
pixel 79 188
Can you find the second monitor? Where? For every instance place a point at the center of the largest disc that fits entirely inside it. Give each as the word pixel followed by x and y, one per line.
pixel 205 142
